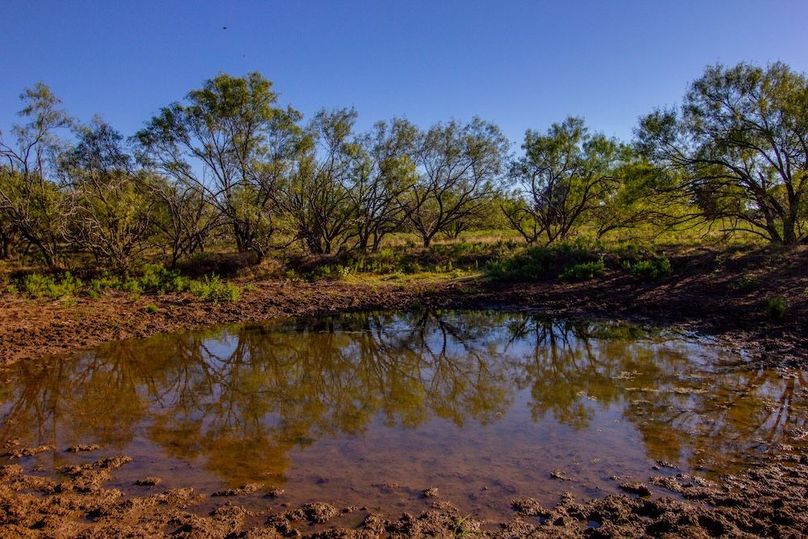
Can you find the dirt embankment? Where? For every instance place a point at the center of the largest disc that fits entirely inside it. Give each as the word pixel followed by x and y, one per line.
pixel 710 292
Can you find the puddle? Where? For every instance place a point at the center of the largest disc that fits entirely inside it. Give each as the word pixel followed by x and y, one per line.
pixel 373 409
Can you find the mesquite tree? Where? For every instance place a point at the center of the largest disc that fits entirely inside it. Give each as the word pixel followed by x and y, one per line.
pixel 384 172
pixel 739 146
pixel 112 210
pixel 458 165
pixel 229 140
pixel 32 203
pixel 563 175
pixel 317 196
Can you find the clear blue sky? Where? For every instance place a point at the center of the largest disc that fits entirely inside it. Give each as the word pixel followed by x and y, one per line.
pixel 521 64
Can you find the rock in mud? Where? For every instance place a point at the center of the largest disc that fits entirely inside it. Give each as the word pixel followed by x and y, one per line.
pixel 431 492
pixel 560 475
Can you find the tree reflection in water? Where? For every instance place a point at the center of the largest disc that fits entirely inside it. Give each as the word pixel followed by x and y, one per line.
pixel 241 399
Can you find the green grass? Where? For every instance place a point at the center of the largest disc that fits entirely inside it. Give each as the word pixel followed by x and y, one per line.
pixel 650 269
pixel 447 259
pixel 214 289
pixel 583 271
pixel 536 263
pixel 37 286
pixel 776 307
pixel 151 280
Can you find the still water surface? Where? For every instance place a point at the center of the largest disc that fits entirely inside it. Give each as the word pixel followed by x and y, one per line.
pixel 370 409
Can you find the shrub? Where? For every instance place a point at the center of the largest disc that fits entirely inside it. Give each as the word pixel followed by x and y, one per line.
pixel 157 279
pixel 151 308
pixel 214 289
pixel 542 262
pixel 132 286
pixel 745 282
pixel 583 271
pixel 101 284
pixel 776 307
pixel 38 286
pixel 532 263
pixel 651 269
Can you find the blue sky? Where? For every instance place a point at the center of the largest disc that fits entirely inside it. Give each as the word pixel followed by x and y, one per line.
pixel 521 64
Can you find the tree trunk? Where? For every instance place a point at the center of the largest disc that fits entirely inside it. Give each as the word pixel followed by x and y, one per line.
pixel 5 246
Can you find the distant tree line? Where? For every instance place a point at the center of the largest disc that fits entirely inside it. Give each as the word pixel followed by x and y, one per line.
pixel 228 166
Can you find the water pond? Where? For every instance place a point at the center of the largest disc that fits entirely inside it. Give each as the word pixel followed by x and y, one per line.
pixel 371 409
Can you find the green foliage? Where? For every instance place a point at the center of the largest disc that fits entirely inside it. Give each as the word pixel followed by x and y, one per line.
pixel 261 143
pixel 159 280
pixel 727 142
pixel 441 258
pixel 564 174
pixel 152 279
pixel 583 271
pixel 214 289
pixel 37 285
pixel 228 167
pixel 745 282
pixel 132 286
pixel 651 269
pixel 151 308
pixel 776 307
pixel 112 211
pixel 32 204
pixel 536 263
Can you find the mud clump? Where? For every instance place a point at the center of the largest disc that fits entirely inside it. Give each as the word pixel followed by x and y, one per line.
pixel 769 500
pixel 243 490
pixel 150 481
pixel 82 448
pixel 15 452
pixel 274 493
pixel 529 507
pixel 635 488
pixel 89 477
pixel 316 513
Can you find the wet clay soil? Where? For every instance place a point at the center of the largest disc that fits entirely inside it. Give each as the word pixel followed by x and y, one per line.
pixel 765 501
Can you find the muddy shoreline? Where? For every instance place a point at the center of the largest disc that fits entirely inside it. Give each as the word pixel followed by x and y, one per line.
pixel 765 501
pixel 700 296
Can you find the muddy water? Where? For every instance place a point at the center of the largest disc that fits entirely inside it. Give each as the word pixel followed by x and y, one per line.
pixel 371 409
